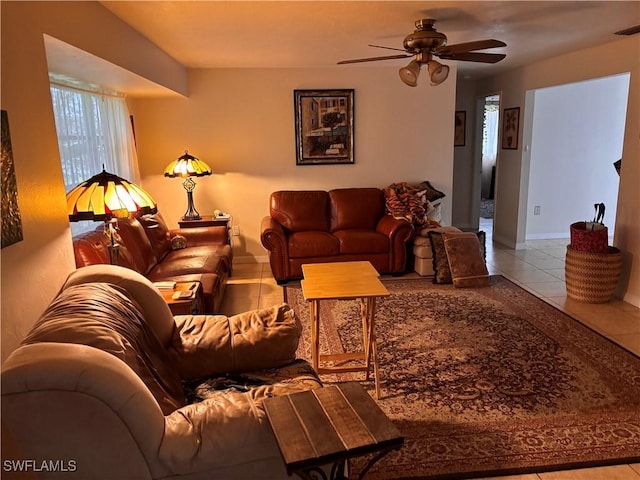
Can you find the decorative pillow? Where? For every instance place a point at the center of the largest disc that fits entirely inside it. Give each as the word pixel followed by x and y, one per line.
pixel 466 261
pixel 178 242
pixel 431 193
pixel 441 269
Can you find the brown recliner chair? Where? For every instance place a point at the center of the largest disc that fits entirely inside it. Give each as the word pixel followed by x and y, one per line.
pixel 96 389
pixel 348 224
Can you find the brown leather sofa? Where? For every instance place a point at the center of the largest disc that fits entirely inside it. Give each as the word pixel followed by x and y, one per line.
pixel 109 385
pixel 348 224
pixel 150 248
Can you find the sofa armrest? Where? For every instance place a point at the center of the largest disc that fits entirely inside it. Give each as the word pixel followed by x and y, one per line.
pixel 202 235
pixel 229 431
pixel 69 401
pixel 274 239
pixel 395 227
pixel 400 232
pixel 208 345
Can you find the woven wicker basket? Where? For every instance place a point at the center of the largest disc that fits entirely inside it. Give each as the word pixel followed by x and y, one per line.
pixel 592 277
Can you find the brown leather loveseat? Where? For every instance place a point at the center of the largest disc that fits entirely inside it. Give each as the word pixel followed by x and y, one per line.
pixel 348 224
pixel 150 248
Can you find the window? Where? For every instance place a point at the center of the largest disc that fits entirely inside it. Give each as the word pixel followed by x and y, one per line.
pixel 94 133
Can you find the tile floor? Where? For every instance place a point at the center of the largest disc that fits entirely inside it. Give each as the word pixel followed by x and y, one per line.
pixel 539 268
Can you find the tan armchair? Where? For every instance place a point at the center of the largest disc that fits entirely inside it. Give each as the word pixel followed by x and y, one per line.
pixel 97 387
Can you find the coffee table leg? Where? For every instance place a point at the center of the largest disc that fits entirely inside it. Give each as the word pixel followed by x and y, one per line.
pixel 364 312
pixel 373 345
pixel 314 311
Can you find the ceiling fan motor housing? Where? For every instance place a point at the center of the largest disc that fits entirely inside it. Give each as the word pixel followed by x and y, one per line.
pixel 425 37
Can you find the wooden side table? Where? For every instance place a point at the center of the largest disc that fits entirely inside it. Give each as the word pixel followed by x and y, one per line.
pixel 206 221
pixel 191 305
pixel 340 281
pixel 330 425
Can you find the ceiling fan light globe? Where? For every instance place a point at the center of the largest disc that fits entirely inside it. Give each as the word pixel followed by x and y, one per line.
pixel 409 74
pixel 438 72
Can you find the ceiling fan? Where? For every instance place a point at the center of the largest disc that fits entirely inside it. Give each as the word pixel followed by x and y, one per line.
pixel 425 43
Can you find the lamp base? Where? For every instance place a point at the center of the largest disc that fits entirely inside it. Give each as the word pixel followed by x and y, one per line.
pixel 191 213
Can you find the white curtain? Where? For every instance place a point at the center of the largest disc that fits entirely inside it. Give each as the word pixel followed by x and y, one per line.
pixel 94 132
pixel 490 140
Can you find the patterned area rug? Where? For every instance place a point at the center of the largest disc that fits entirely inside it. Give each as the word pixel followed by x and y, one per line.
pixel 487 381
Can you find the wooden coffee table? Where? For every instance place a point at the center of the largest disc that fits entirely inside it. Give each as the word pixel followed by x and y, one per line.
pixel 328 426
pixel 345 280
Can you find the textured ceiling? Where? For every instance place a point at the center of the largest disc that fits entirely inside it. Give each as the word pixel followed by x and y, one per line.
pixel 236 34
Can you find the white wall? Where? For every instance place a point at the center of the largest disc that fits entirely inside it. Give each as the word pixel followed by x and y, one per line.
pixel 241 122
pixel 578 130
pixel 617 57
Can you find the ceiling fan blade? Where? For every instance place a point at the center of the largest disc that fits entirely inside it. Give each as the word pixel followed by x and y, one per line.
pixel 470 46
pixel 474 57
pixel 388 48
pixel 373 59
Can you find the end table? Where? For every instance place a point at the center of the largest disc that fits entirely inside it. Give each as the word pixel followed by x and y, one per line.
pixel 191 305
pixel 330 425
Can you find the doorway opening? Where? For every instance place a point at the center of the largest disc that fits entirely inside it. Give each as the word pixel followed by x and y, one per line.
pixel 490 119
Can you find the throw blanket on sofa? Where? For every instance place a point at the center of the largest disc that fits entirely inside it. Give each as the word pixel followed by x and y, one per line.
pixel 102 316
pixel 413 203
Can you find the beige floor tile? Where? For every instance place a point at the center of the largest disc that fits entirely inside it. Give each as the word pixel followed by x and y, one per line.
pixel 635 467
pixel 548 289
pixel 532 276
pixel 557 272
pixel 248 289
pixel 271 300
pixel 233 305
pixel 616 472
pixel 630 341
pixel 546 262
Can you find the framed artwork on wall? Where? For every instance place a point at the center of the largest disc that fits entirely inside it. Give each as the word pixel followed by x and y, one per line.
pixel 324 126
pixel 11 220
pixel 460 126
pixel 510 126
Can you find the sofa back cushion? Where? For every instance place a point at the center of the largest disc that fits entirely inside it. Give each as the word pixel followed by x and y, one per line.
pixel 134 237
pixel 302 210
pixel 92 248
pixel 158 234
pixel 102 316
pixel 359 208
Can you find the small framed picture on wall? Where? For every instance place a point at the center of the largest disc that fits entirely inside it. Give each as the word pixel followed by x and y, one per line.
pixel 460 126
pixel 510 127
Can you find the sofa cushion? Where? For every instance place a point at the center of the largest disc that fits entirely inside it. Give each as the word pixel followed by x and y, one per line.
pixel 137 242
pixel 300 211
pixel 183 265
pixel 102 316
pixel 312 244
pixel 356 208
pixel 158 234
pixel 362 241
